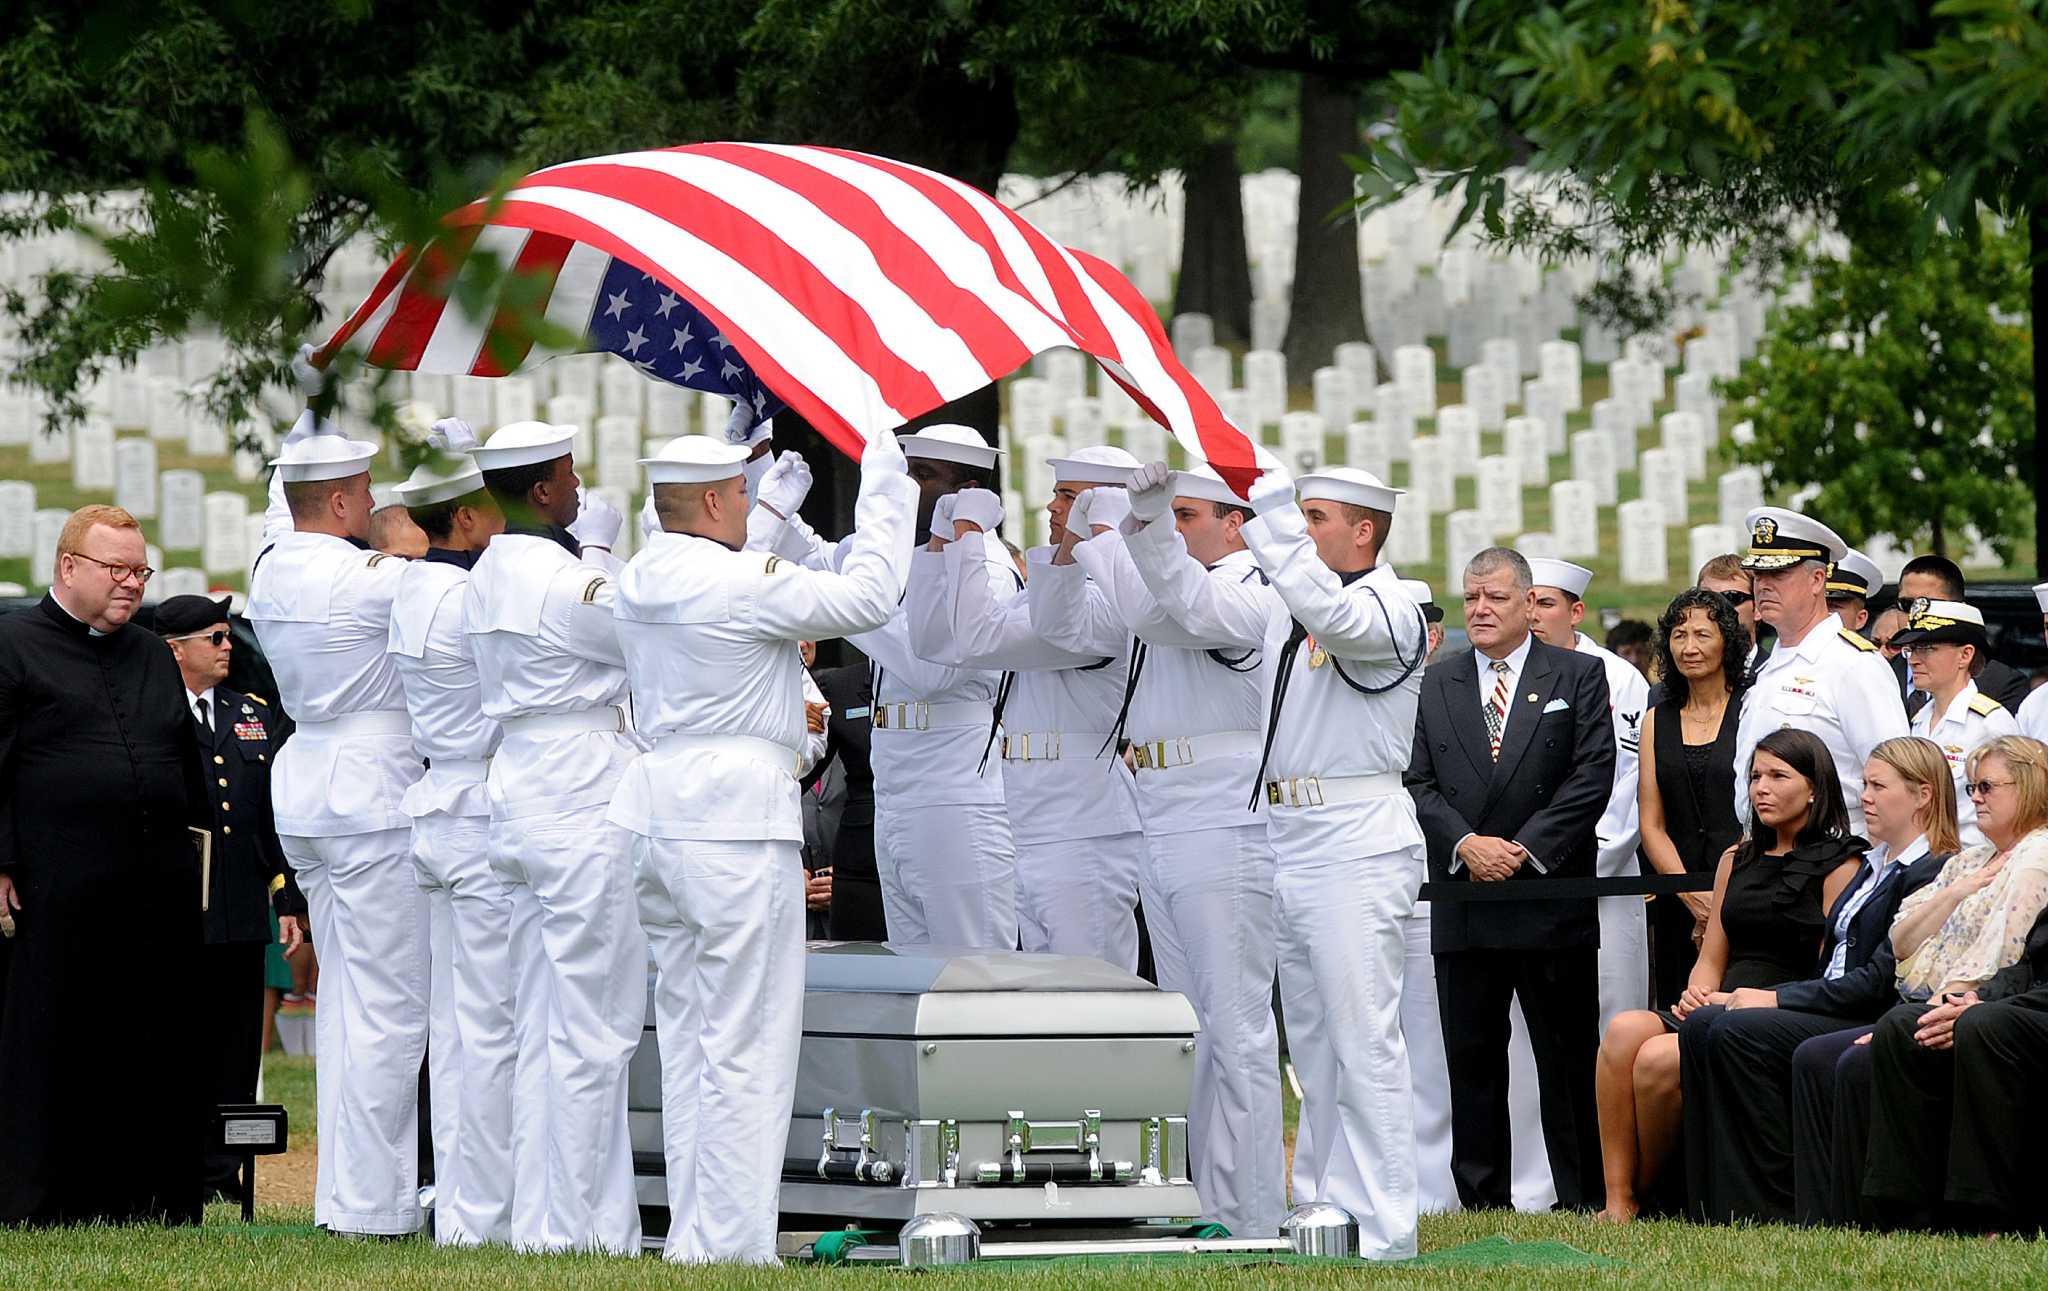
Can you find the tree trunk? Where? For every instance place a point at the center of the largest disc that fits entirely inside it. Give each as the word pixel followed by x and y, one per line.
pixel 1215 270
pixel 2037 240
pixel 1326 308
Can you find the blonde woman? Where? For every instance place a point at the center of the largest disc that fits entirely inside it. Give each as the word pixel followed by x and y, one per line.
pixel 1735 1055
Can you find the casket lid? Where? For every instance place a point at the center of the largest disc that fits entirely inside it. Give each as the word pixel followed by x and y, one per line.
pixel 879 967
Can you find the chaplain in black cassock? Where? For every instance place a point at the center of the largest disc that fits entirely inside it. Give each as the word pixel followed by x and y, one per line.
pixel 103 1115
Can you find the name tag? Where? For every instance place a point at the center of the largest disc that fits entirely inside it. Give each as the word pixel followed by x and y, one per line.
pixel 250 731
pixel 863 711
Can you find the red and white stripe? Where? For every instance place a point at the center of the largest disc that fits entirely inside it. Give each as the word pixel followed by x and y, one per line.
pixel 863 292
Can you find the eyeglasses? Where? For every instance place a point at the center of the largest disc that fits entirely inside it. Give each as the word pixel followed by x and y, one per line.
pixel 213 638
pixel 1737 599
pixel 1983 788
pixel 117 571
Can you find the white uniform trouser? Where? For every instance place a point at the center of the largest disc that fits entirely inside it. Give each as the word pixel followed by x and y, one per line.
pixel 370 933
pixel 949 875
pixel 581 1000
pixel 1624 957
pixel 1215 893
pixel 474 1048
pixel 1429 1075
pixel 1079 897
pixel 1342 957
pixel 1530 1184
pixel 726 921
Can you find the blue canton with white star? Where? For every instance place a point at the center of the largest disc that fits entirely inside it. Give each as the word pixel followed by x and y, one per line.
pixel 643 322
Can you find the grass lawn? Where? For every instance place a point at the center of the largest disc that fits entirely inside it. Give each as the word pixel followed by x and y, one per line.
pixel 282 1253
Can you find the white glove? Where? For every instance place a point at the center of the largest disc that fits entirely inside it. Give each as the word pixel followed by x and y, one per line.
pixel 597 522
pixel 311 380
pixel 786 485
pixel 980 508
pixel 1150 494
pixel 1107 507
pixel 1273 489
pixel 451 435
pixel 942 517
pixel 650 522
pixel 883 454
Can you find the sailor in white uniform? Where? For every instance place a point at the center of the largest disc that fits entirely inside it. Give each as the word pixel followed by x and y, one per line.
pixel 1347 674
pixel 1178 576
pixel 1072 805
pixel 710 630
pixel 1946 646
pixel 1822 677
pixel 943 846
pixel 321 604
pixel 471 1056
pixel 2033 714
pixel 538 609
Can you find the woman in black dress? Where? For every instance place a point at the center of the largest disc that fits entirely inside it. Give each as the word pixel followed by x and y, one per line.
pixel 1771 895
pixel 1687 788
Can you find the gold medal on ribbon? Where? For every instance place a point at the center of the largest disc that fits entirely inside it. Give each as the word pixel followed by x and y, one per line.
pixel 1317 656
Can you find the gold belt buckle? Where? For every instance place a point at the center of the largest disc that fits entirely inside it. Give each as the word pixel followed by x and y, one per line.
pixel 1301 791
pixel 1051 752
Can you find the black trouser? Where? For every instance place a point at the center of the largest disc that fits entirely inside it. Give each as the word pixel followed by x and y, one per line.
pixel 1954 1133
pixel 1830 1128
pixel 1559 992
pixel 1735 1067
pixel 231 983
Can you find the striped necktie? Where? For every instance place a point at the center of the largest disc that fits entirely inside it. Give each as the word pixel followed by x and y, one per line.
pixel 1497 707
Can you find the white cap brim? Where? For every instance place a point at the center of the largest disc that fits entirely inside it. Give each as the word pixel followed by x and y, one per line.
pixel 941 449
pixel 1335 488
pixel 427 492
pixel 1547 571
pixel 1209 488
pixel 523 443
pixel 2041 596
pixel 1070 470
pixel 696 459
pixel 339 459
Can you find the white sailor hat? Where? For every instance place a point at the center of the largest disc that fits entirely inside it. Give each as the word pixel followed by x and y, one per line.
pixel 1547 571
pixel 1855 574
pixel 696 459
pixel 1348 484
pixel 443 477
pixel 323 457
pixel 1933 622
pixel 1097 464
pixel 1418 592
pixel 1780 539
pixel 523 443
pixel 2041 596
pixel 1202 481
pixel 948 443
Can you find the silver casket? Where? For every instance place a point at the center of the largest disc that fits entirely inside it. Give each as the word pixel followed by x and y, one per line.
pixel 997 1085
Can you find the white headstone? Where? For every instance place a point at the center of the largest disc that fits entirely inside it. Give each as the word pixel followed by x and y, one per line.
pixel 1118 408
pixel 1415 374
pixel 1593 462
pixel 1430 480
pixel 1366 449
pixel 1706 541
pixel 1265 380
pixel 713 410
pixel 1575 518
pixel 47 447
pixel 1538 546
pixel 1408 541
pixel 1145 439
pixel 1211 366
pixel 513 399
pixel 1030 408
pixel 573 410
pixel 135 477
pixel 1643 555
pixel 436 391
pixel 1269 322
pixel 1611 417
pixel 1458 427
pixel 179 582
pixel 1082 421
pixel 1663 481
pixel 1301 441
pixel 669 408
pixel 472 400
pixel 224 550
pixel 1359 363
pixel 129 400
pixel 1331 388
pixel 1544 400
pixel 576 374
pixel 1466 534
pixel 1504 355
pixel 1485 395
pixel 1741 491
pixel 1559 365
pixel 1191 332
pixel 1682 435
pixel 92 455
pixel 205 434
pixel 1066 372
pixel 17 519
pixel 1500 495
pixel 166 417
pixel 1524 439
pixel 618 450
pixel 181 494
pixel 1696 396
pixel 1598 343
pixel 42 559
pixel 1396 421
pixel 622 392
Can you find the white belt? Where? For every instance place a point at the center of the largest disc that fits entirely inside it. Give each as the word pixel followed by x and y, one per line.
pixel 1050 746
pixel 1185 750
pixel 464 768
pixel 382 721
pixel 609 717
pixel 741 745
pixel 916 715
pixel 1332 791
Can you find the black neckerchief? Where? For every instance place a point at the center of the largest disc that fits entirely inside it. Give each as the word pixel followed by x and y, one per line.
pixel 554 533
pixel 450 556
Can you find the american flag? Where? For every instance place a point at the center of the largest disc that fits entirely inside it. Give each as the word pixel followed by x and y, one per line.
pixel 858 291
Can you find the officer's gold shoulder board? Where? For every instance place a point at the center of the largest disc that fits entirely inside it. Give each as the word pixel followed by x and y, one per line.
pixel 379 557
pixel 773 561
pixel 590 591
pixel 1984 705
pixel 1856 641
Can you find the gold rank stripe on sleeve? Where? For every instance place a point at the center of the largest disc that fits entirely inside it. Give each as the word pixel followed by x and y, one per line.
pixel 1857 641
pixel 590 591
pixel 1984 705
pixel 379 557
pixel 773 563
pixel 276 884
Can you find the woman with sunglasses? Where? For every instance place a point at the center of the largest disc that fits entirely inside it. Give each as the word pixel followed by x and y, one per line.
pixel 1930 1150
pixel 1946 648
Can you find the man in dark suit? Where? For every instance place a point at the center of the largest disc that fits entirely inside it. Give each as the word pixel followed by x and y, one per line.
pixel 1512 766
pixel 856 890
pixel 238 743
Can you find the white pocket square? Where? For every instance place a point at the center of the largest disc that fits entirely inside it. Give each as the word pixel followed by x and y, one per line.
pixel 1556 706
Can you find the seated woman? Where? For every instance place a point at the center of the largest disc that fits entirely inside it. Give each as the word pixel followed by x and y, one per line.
pixel 1937 1154
pixel 1735 1055
pixel 1772 892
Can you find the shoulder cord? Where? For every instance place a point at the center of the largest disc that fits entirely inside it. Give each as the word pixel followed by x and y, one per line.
pixel 1243 662
pixel 1139 651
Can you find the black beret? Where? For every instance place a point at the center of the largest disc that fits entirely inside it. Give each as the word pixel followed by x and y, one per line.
pixel 183 615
